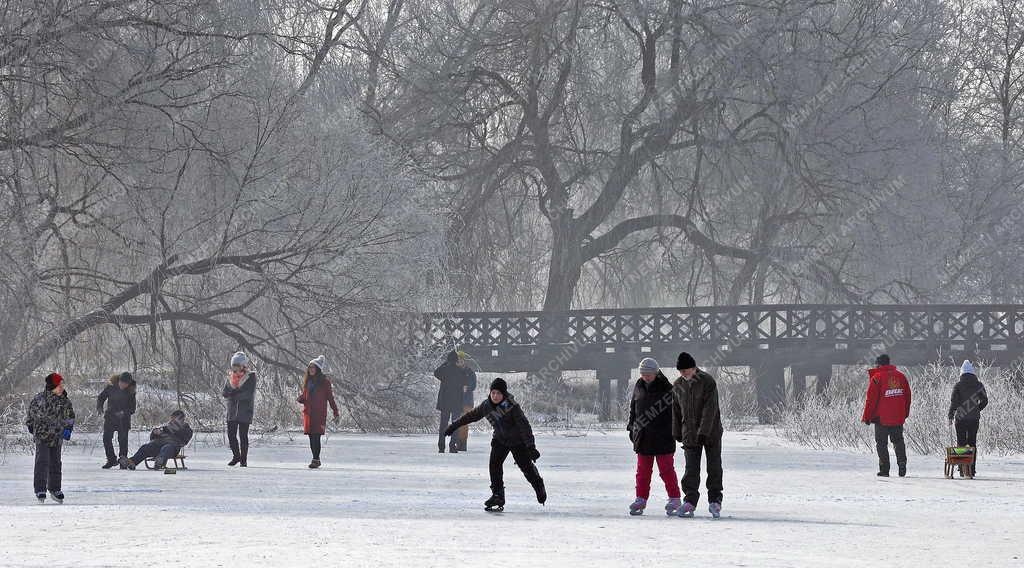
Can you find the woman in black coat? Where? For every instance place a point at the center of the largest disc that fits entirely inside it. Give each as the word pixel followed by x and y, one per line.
pixel 240 392
pixel 650 430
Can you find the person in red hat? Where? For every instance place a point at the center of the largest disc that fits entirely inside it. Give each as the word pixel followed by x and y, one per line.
pixel 887 406
pixel 50 420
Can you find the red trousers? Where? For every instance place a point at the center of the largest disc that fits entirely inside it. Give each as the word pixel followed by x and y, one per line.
pixel 667 470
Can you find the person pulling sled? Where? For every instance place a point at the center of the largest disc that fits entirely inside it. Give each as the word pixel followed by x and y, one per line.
pixel 512 434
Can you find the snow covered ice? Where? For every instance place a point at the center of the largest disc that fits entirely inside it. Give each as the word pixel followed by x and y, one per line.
pixel 394 501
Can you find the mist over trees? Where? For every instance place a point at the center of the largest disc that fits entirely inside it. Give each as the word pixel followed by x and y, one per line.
pixel 180 179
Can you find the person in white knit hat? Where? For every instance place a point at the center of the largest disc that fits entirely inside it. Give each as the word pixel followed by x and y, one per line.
pixel 316 394
pixel 650 430
pixel 965 405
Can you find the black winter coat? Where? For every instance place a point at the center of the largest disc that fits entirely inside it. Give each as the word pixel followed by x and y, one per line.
pixel 175 432
pixel 454 380
pixel 511 428
pixel 969 398
pixel 695 410
pixel 120 403
pixel 650 417
pixel 241 402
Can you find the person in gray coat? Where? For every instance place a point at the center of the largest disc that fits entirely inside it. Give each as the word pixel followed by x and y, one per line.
pixel 240 392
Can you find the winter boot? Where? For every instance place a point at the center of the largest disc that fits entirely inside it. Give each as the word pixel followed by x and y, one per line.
pixel 160 463
pixel 496 502
pixel 636 508
pixel 314 464
pixel 41 496
pixel 57 496
pixel 715 509
pixel 672 507
pixel 686 511
pixel 110 463
pixel 235 459
pixel 542 493
pixel 883 474
pixel 127 463
pixel 903 469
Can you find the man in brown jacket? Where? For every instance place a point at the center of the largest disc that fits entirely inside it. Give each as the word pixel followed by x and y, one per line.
pixel 697 425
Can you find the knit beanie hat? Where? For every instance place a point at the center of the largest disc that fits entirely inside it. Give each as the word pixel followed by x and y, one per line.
pixel 685 361
pixel 500 385
pixel 320 362
pixel 882 360
pixel 967 368
pixel 53 380
pixel 452 357
pixel 649 365
pixel 125 377
pixel 239 358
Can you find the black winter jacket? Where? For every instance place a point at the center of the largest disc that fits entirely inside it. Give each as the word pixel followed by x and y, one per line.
pixel 650 417
pixel 511 428
pixel 175 432
pixel 241 402
pixel 968 400
pixel 695 410
pixel 120 403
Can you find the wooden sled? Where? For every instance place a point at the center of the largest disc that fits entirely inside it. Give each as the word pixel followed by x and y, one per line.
pixel 962 459
pixel 179 461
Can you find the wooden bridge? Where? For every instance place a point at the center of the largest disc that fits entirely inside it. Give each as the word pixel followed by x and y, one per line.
pixel 809 339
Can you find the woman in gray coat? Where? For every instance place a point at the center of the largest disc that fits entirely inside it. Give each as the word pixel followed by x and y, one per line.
pixel 240 392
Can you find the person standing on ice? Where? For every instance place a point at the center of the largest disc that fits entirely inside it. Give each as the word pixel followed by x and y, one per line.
pixel 697 425
pixel 316 394
pixel 512 434
pixel 164 442
pixel 887 406
pixel 119 396
pixel 650 430
pixel 240 392
pixel 50 420
pixel 968 400
pixel 469 386
pixel 450 396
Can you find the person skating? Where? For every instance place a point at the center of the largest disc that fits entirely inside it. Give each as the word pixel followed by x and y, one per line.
pixel 650 430
pixel 164 442
pixel 119 398
pixel 512 434
pixel 968 400
pixel 454 378
pixel 240 392
pixel 50 420
pixel 316 394
pixel 887 406
pixel 697 425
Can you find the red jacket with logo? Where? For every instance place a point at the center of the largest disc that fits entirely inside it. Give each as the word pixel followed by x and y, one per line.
pixel 888 400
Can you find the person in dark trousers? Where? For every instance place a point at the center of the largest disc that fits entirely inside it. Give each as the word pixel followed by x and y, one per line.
pixel 965 405
pixel 650 430
pixel 512 434
pixel 164 442
pixel 240 393
pixel 462 436
pixel 317 393
pixel 455 379
pixel 119 398
pixel 50 420
pixel 697 425
pixel 887 406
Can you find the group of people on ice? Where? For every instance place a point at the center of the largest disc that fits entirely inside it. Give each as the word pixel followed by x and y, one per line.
pixel 887 407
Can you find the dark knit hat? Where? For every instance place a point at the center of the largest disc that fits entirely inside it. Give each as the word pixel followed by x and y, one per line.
pixel 500 385
pixel 452 357
pixel 882 360
pixel 685 361
pixel 125 377
pixel 178 414
pixel 53 380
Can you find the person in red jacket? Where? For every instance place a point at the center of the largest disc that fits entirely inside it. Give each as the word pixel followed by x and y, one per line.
pixel 316 395
pixel 888 407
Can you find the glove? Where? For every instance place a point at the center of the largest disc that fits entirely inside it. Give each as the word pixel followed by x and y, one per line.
pixel 534 453
pixel 67 433
pixel 449 430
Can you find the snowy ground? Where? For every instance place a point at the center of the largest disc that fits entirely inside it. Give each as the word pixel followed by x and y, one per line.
pixel 393 501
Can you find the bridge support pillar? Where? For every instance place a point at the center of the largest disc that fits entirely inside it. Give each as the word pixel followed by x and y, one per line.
pixel 604 395
pixel 770 381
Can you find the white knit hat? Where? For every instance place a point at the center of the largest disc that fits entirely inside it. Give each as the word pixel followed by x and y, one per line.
pixel 967 368
pixel 320 362
pixel 239 358
pixel 649 365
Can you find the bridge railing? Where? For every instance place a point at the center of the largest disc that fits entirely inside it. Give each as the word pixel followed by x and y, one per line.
pixel 767 324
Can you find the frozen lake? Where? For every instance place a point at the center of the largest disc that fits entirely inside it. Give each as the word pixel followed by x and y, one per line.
pixel 394 501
